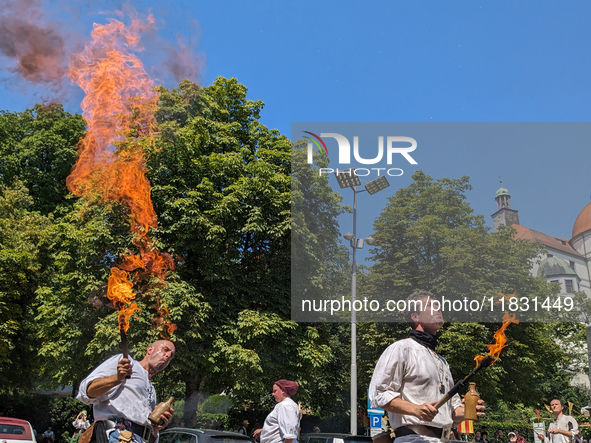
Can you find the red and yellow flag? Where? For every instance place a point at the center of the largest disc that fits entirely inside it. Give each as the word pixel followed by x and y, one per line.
pixel 466 427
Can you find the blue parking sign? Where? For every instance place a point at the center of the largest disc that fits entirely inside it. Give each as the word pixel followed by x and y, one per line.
pixel 376 421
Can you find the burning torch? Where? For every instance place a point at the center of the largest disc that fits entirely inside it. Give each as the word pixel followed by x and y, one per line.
pixel 119 290
pixel 481 360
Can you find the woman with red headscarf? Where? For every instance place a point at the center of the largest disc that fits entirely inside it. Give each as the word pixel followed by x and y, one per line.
pixel 283 423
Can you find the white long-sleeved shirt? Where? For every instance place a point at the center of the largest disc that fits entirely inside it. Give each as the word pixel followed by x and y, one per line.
pixel 412 372
pixel 81 424
pixel 563 422
pixel 282 423
pixel 134 399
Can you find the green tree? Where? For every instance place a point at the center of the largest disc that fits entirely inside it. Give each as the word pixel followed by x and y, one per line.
pixel 38 146
pixel 221 184
pixel 21 260
pixel 320 264
pixel 428 237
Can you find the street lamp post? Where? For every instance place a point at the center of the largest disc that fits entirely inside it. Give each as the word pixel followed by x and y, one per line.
pixel 348 179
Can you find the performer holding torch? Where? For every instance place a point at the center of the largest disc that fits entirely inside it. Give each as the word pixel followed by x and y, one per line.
pixel 410 378
pixel 124 399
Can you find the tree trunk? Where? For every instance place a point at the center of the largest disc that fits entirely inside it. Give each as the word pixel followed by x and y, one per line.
pixel 192 399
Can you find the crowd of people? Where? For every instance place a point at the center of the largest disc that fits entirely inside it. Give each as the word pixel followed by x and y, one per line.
pixel 481 436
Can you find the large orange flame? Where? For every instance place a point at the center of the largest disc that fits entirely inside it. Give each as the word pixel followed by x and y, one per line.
pixel 500 339
pixel 119 110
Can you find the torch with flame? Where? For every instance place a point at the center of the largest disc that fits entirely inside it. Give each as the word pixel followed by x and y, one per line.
pixel 119 108
pixel 482 361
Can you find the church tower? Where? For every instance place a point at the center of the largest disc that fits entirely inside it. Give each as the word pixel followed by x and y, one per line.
pixel 505 216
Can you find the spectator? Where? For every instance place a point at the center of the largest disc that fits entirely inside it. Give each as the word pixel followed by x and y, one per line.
pixel 81 424
pixel 512 437
pixel 49 436
pixel 316 429
pixel 498 436
pixel 242 428
pixel 283 423
pixel 478 437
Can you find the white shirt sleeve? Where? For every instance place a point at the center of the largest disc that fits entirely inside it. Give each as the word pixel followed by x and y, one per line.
pixel 456 401
pixel 387 377
pixel 105 369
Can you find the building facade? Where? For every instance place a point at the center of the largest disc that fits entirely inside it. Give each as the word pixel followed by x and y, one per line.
pixel 567 261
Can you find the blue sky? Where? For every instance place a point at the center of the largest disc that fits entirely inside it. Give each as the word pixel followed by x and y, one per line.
pixel 395 61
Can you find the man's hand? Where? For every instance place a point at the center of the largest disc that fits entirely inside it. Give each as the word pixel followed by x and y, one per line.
pixel 541 436
pixel 100 386
pixel 426 411
pixel 257 432
pixel 165 417
pixel 569 434
pixel 480 409
pixel 458 413
pixel 123 369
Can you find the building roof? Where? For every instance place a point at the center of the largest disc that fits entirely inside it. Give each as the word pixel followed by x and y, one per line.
pixel 552 266
pixel 557 243
pixel 583 221
pixel 502 191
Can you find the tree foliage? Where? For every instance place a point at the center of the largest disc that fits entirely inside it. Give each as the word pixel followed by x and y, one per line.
pixel 38 147
pixel 221 184
pixel 428 238
pixel 21 260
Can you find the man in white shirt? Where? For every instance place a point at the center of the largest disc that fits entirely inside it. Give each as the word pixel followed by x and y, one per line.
pixel 410 378
pixel 563 429
pixel 123 396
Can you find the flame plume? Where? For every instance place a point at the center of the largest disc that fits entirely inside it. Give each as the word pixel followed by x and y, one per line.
pixel 494 350
pixel 119 108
